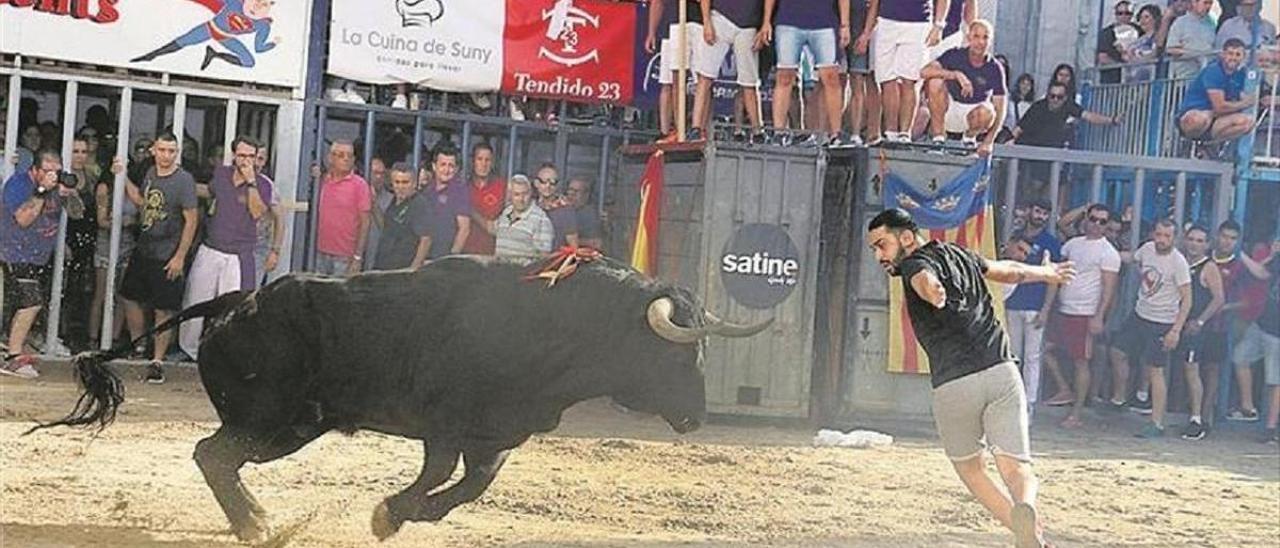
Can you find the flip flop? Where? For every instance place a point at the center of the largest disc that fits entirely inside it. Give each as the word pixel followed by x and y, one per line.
pixel 1061 400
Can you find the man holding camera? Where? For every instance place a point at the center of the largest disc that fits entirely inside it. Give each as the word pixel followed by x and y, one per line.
pixel 32 202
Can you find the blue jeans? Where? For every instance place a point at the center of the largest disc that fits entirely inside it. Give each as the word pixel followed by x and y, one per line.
pixel 332 265
pixel 790 40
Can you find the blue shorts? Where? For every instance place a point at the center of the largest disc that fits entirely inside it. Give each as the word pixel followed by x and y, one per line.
pixel 790 40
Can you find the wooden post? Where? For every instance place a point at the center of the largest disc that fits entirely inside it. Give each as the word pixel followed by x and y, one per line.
pixel 682 57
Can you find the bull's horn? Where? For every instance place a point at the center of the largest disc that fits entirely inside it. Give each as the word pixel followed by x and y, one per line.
pixel 660 321
pixel 717 326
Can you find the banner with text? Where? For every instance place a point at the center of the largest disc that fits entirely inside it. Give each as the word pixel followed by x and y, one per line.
pixel 454 46
pixel 261 41
pixel 581 50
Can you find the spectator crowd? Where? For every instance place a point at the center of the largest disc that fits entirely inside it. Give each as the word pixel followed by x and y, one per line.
pixel 1143 316
pixel 186 237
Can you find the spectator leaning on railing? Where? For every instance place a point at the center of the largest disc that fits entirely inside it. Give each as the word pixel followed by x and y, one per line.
pixel 1045 123
pixel 1190 38
pixel 1214 106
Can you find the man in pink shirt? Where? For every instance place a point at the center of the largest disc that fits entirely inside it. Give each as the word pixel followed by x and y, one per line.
pixel 345 202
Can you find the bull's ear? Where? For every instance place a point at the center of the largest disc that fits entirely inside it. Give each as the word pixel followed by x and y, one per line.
pixel 659 314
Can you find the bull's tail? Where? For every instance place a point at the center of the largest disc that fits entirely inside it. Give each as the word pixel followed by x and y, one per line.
pixel 101 391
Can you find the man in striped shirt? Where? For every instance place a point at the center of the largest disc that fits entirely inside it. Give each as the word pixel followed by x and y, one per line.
pixel 522 229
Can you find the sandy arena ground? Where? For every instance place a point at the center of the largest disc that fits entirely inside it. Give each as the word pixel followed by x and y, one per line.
pixel 611 479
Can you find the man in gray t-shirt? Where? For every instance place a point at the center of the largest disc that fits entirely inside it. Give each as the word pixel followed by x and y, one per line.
pixel 154 277
pixel 1164 302
pixel 1191 39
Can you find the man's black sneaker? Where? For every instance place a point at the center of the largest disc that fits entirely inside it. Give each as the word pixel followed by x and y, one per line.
pixel 1194 431
pixel 154 374
pixel 1140 407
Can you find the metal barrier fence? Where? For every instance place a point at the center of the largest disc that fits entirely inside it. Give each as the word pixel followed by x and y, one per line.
pixel 1147 112
pixel 519 146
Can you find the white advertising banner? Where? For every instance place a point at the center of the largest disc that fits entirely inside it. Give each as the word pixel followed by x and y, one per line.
pixel 260 41
pixel 450 46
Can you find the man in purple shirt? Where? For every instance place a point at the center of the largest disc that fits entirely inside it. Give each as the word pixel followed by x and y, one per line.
pixel 902 30
pixel 966 92
pixel 225 262
pixel 960 14
pixel 730 24
pixel 821 26
pixel 449 203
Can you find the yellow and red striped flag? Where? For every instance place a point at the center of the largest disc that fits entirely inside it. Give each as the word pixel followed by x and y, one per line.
pixel 644 250
pixel 960 213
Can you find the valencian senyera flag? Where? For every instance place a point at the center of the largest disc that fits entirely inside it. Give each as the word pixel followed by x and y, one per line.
pixel 644 250
pixel 958 212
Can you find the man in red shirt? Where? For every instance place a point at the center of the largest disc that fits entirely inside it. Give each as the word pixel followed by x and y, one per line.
pixel 488 197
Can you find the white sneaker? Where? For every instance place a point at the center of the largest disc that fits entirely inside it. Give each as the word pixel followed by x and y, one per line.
pixel 516 113
pixel 19 366
pixel 481 100
pixel 969 142
pixel 400 101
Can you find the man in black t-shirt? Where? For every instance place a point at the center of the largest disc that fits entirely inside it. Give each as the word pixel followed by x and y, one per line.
pixel 1045 124
pixel 977 392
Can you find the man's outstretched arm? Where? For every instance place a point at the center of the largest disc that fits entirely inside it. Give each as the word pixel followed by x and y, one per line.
pixel 1014 272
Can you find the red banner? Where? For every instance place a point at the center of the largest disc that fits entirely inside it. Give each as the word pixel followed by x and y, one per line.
pixel 581 50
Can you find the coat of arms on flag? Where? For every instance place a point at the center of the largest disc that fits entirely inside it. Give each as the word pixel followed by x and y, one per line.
pixel 958 212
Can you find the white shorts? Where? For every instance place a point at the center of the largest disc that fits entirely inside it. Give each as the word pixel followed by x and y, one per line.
pixel 668 62
pixel 954 41
pixel 899 49
pixel 708 58
pixel 957 118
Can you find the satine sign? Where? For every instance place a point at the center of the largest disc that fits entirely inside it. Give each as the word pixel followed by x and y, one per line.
pixel 760 266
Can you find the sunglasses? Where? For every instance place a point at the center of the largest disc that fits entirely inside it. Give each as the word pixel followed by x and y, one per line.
pixel 545 181
pixel 1099 220
pixel 1056 97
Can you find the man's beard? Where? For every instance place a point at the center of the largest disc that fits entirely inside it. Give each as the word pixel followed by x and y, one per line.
pixel 891 267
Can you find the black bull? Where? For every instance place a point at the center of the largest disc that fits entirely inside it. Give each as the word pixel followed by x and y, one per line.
pixel 466 354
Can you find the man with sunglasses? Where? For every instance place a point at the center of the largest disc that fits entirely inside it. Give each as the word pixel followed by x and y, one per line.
pixel 563 217
pixel 1083 306
pixel 1116 38
pixel 33 201
pixel 1045 124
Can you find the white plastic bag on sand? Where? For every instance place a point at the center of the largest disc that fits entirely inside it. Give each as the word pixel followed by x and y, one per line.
pixel 858 438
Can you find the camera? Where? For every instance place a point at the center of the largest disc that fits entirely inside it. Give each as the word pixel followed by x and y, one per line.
pixel 68 179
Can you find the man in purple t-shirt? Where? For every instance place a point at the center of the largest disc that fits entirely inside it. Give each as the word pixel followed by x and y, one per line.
pixel 960 14
pixel 449 201
pixel 901 30
pixel 224 261
pixel 824 29
pixel 966 92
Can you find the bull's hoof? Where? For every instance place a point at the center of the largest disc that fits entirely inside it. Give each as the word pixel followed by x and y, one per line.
pixel 252 531
pixel 382 523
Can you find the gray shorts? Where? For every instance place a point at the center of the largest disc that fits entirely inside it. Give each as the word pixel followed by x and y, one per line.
pixel 1257 345
pixel 987 409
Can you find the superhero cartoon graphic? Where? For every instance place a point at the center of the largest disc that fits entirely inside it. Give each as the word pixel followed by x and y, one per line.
pixel 232 18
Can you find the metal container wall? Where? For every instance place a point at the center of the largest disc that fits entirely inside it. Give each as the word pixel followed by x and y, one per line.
pixel 707 197
pixel 769 374
pixel 866 385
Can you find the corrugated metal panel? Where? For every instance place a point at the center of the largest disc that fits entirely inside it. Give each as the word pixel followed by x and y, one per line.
pixel 778 187
pixel 867 385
